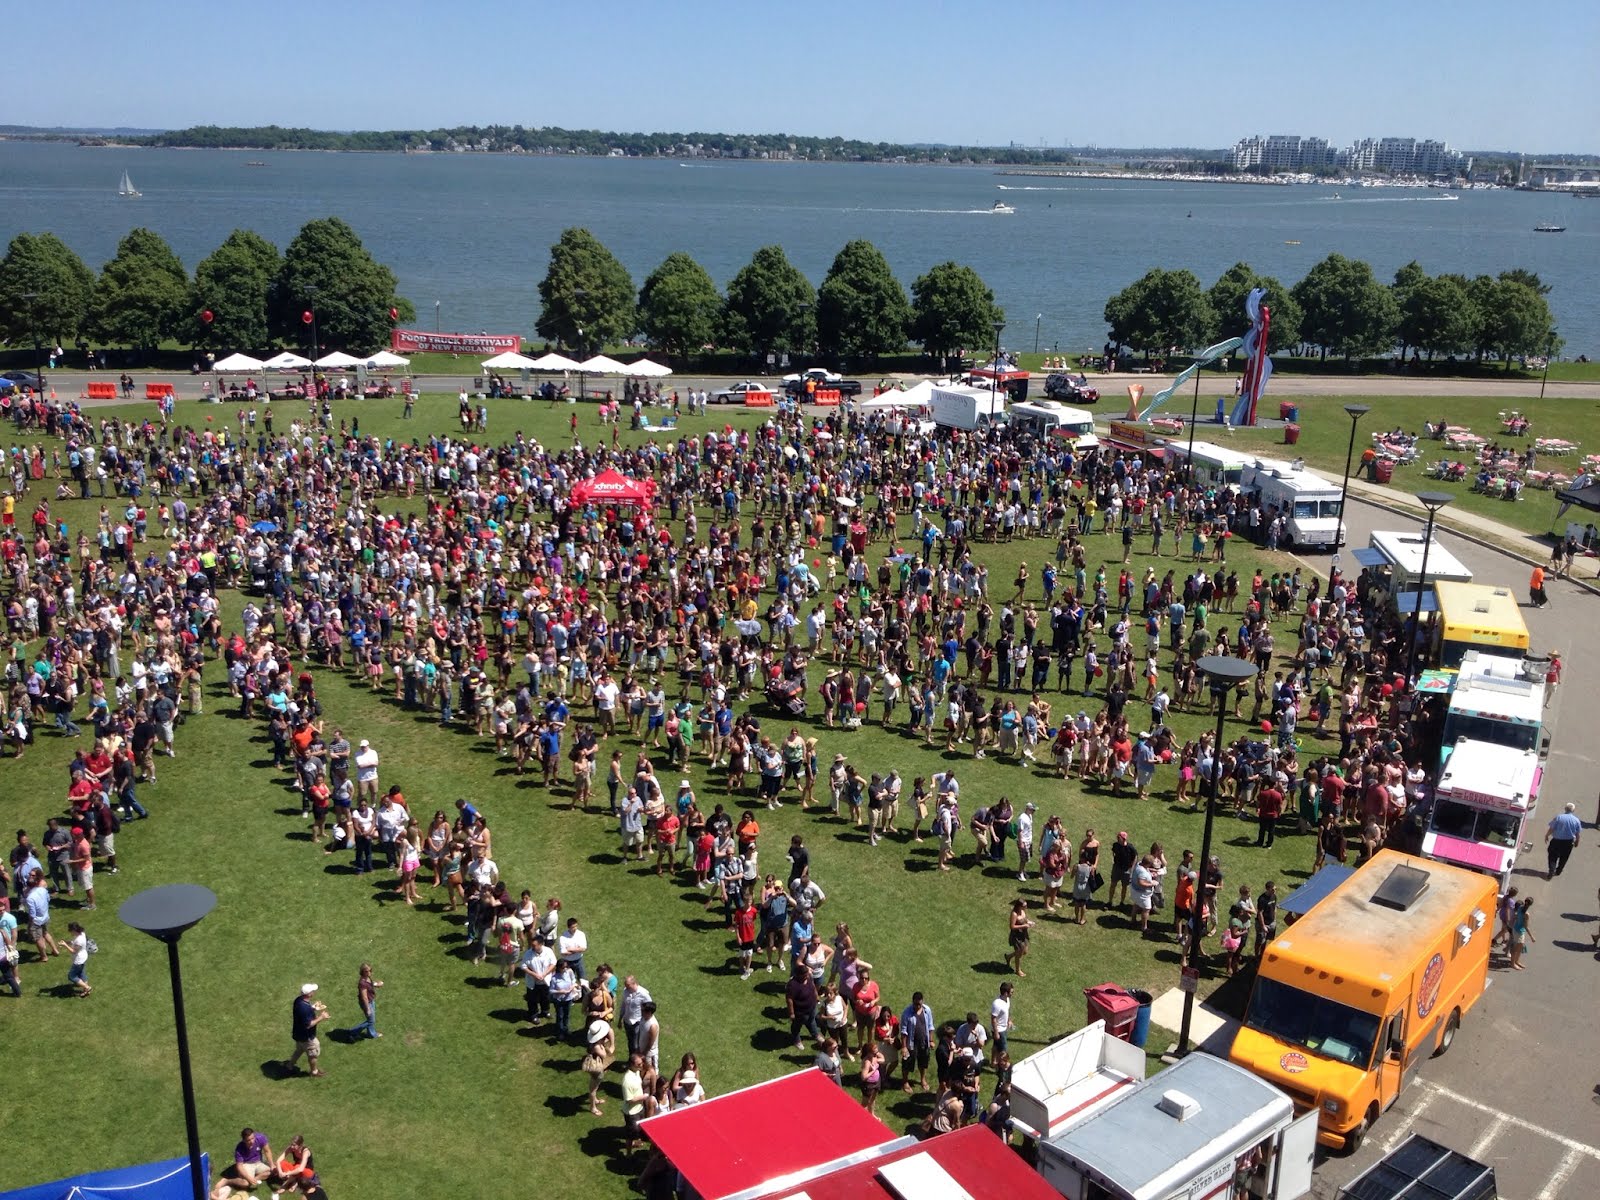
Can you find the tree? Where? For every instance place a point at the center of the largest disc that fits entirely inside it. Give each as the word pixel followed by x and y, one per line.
pixel 1160 311
pixel 328 272
pixel 861 307
pixel 952 308
pixel 1436 315
pixel 234 283
pixel 141 293
pixel 586 295
pixel 1406 278
pixel 1227 298
pixel 1524 276
pixel 1346 310
pixel 679 305
pixel 41 266
pixel 1516 321
pixel 769 305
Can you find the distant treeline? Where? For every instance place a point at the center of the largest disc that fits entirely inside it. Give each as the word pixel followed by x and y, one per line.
pixel 553 140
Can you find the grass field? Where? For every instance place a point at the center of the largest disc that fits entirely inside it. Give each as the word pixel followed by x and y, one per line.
pixel 1325 437
pixel 391 1115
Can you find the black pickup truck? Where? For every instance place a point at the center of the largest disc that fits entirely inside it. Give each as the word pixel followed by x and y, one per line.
pixel 795 385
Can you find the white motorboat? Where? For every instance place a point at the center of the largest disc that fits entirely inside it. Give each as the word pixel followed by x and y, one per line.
pixel 1000 206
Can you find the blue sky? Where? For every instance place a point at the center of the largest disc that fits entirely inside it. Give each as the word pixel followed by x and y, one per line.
pixel 1479 73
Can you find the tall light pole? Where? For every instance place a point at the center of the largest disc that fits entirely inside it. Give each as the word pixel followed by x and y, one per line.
pixel 1356 411
pixel 1194 417
pixel 1433 502
pixel 577 295
pixel 1037 322
pixel 1549 349
pixel 38 353
pixel 165 913
pixel 436 316
pixel 994 376
pixel 311 307
pixel 1224 674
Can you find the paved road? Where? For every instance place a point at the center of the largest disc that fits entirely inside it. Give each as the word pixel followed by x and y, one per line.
pixel 1518 1090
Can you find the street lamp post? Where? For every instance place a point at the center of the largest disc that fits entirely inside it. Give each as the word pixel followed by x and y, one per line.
pixel 38 352
pixel 1356 411
pixel 994 375
pixel 1433 502
pixel 1194 417
pixel 577 296
pixel 1037 322
pixel 436 316
pixel 311 307
pixel 1549 349
pixel 165 913
pixel 1224 673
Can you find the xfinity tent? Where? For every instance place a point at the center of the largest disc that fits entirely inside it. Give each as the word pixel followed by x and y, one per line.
pixel 613 487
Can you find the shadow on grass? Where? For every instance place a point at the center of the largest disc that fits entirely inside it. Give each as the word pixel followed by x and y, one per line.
pixel 609 1144
pixel 606 859
pixel 991 968
pixel 567 1106
pixel 703 924
pixel 339 869
pixel 278 1069
pixel 511 1016
pixel 483 982
pixel 771 1040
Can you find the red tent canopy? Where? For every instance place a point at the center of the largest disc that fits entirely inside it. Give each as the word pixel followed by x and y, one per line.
pixel 981 1166
pixel 613 487
pixel 757 1137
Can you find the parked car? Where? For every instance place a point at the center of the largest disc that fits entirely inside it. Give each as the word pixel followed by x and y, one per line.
pixel 737 393
pixel 795 385
pixel 31 379
pixel 1070 389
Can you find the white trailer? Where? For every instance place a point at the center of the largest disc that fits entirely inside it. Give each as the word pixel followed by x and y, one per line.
pixel 958 406
pixel 1203 1129
pixel 1070 1079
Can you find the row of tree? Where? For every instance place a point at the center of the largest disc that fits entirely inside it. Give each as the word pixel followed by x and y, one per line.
pixel 245 295
pixel 1341 308
pixel 860 311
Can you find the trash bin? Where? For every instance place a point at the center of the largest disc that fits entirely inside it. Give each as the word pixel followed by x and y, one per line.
pixel 1383 469
pixel 1222 409
pixel 1141 1018
pixel 1291 434
pixel 1291 412
pixel 1114 1005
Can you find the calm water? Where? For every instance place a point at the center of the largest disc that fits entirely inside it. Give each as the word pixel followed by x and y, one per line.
pixel 473 231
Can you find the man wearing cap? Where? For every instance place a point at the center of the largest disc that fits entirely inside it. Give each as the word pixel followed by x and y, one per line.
pixel 1144 764
pixel 306 1015
pixel 367 771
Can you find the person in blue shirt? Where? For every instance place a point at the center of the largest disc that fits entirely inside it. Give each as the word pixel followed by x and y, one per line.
pixel 1561 839
pixel 550 753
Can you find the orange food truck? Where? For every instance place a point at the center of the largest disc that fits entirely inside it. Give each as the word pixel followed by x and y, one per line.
pixel 1350 1000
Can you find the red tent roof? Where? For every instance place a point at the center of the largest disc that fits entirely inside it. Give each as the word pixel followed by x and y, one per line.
pixel 762 1135
pixel 613 486
pixel 979 1163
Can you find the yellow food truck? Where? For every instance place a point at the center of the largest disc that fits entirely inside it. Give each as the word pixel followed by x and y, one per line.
pixel 1353 997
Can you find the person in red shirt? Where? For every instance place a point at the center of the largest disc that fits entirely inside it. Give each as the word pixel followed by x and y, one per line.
pixel 1269 807
pixel 666 839
pixel 1333 794
pixel 744 928
pixel 80 861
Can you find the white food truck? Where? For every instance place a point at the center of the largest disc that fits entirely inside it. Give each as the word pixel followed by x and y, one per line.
pixel 957 406
pixel 1308 503
pixel 1204 1129
pixel 1396 558
pixel 1481 807
pixel 1049 419
pixel 1214 465
pixel 1069 1079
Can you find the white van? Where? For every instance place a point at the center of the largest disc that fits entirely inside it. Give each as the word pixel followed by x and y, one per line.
pixel 1050 419
pixel 1309 503
pixel 1396 558
pixel 1214 466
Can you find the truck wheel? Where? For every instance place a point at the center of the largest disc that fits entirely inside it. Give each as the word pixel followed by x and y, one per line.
pixel 1448 1037
pixel 1353 1139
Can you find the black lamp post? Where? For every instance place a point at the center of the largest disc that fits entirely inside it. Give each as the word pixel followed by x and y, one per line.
pixel 1194 416
pixel 311 303
pixel 583 376
pixel 994 376
pixel 1433 502
pixel 1549 349
pixel 1224 673
pixel 165 913
pixel 436 316
pixel 1356 411
pixel 1038 321
pixel 38 352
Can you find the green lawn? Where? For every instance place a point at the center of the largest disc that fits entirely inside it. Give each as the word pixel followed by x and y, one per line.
pixel 391 1116
pixel 1325 438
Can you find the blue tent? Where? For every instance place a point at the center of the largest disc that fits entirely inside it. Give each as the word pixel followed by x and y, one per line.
pixel 168 1180
pixel 1304 898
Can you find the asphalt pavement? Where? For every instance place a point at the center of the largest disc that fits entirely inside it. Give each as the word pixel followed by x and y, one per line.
pixel 1519 1090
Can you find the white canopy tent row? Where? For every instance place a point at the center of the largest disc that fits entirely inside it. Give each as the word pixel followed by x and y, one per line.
pixel 237 364
pixel 645 369
pixel 286 361
pixel 385 359
pixel 554 362
pixel 509 361
pixel 601 365
pixel 338 360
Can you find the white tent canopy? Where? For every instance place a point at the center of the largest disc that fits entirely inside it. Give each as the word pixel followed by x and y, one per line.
pixel 238 362
pixel 339 360
pixel 601 365
pixel 509 361
pixel 554 362
pixel 287 361
pixel 386 358
pixel 919 393
pixel 649 370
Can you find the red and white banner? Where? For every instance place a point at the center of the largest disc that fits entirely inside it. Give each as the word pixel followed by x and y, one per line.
pixel 412 341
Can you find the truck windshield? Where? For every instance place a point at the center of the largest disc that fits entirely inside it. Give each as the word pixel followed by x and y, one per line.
pixel 1322 1026
pixel 1305 510
pixel 1474 824
pixel 1460 725
pixel 1330 510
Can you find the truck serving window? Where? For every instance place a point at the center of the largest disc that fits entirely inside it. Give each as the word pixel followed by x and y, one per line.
pixel 1484 729
pixel 1474 824
pixel 1322 1026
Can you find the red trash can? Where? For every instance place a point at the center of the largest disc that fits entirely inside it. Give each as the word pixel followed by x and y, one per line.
pixel 1291 434
pixel 1286 410
pixel 1383 469
pixel 1116 1006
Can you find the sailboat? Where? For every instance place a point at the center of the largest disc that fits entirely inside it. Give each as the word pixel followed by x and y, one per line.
pixel 126 188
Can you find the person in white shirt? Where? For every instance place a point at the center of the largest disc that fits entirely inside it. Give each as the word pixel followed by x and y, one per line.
pixel 366 761
pixel 972 1036
pixel 571 946
pixel 536 967
pixel 606 692
pixel 1000 1018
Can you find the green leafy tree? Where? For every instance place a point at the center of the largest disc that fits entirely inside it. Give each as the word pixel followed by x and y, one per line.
pixel 586 295
pixel 327 271
pixel 44 289
pixel 952 308
pixel 1437 316
pixel 1347 311
pixel 1406 278
pixel 141 294
pixel 861 307
pixel 1516 321
pixel 234 283
pixel 1160 311
pixel 769 306
pixel 679 306
pixel 1524 276
pixel 1228 295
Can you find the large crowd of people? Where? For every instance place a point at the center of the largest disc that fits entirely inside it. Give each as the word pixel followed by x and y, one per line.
pixel 830 567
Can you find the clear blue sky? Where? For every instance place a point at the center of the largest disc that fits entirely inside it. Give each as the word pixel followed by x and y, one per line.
pixel 1478 73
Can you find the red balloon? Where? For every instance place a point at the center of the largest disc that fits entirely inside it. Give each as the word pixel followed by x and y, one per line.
pixel 1386 690
pixel 394 314
pixel 305 317
pixel 206 316
pixel 861 706
pixel 1266 727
